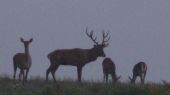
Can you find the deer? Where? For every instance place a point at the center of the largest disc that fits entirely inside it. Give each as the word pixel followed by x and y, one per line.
pixel 23 61
pixel 109 68
pixel 140 70
pixel 77 57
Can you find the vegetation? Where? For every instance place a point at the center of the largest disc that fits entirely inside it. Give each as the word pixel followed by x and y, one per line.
pixel 39 86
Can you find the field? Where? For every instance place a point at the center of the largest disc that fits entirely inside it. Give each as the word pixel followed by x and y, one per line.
pixel 38 86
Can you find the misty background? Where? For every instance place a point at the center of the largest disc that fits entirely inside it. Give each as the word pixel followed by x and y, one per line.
pixel 139 29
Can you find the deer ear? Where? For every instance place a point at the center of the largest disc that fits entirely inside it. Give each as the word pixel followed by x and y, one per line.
pixel 31 40
pixel 22 40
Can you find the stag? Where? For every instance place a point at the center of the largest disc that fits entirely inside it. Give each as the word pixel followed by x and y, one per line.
pixel 140 70
pixel 77 57
pixel 109 68
pixel 23 61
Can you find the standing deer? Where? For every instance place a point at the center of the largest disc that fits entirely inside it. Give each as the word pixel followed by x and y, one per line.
pixel 23 61
pixel 140 70
pixel 109 68
pixel 77 57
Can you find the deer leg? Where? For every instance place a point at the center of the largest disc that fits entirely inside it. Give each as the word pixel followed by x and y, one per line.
pixel 79 72
pixel 144 77
pixel 48 71
pixel 26 75
pixel 141 78
pixel 107 75
pixel 23 77
pixel 104 77
pixel 113 78
pixel 15 70
pixel 20 74
pixel 53 72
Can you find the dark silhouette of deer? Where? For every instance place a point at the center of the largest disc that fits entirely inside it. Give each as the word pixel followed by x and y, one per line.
pixel 140 70
pixel 77 57
pixel 23 61
pixel 109 68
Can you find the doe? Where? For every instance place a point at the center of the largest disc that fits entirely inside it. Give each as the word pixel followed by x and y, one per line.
pixel 140 70
pixel 23 61
pixel 109 68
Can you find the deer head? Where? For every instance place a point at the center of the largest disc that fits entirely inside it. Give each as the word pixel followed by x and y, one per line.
pixel 99 47
pixel 117 78
pixel 132 80
pixel 26 43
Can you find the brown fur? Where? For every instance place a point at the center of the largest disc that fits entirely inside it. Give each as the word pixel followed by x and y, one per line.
pixel 140 70
pixel 109 68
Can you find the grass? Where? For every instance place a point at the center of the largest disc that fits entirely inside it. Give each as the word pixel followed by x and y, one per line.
pixel 39 86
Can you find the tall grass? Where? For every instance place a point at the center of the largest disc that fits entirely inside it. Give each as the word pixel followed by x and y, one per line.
pixel 38 86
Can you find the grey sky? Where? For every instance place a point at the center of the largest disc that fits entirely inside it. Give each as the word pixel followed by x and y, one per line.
pixel 139 29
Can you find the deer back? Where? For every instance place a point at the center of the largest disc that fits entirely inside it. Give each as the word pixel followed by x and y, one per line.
pixel 72 56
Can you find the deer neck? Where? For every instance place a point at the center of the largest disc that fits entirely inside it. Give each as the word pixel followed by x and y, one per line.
pixel 27 53
pixel 92 56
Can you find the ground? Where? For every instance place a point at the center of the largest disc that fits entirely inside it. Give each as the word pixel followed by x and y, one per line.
pixel 38 86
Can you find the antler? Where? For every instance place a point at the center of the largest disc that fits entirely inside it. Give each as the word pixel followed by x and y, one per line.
pixel 91 36
pixel 104 42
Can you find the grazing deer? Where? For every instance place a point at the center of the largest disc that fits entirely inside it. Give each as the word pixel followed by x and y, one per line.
pixel 109 68
pixel 77 57
pixel 23 61
pixel 140 70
